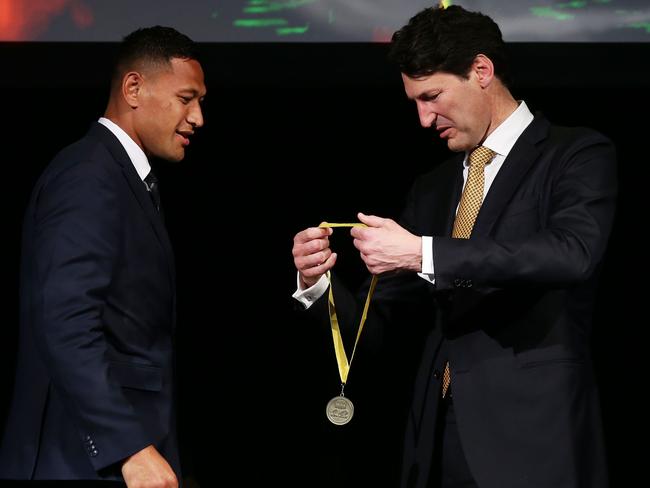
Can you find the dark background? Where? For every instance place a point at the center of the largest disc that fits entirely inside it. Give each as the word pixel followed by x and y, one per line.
pixel 296 134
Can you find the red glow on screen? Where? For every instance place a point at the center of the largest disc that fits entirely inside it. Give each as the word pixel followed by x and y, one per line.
pixel 382 34
pixel 25 20
pixel 82 15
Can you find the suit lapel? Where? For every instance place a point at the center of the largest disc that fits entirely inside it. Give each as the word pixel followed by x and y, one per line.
pixel 515 167
pixel 139 190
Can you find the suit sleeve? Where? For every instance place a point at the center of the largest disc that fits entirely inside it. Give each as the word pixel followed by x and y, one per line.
pixel 568 246
pixel 77 243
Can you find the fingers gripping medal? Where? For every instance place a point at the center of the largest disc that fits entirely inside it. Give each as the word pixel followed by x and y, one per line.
pixel 340 409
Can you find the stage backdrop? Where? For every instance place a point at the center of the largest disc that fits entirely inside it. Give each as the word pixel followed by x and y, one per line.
pixel 315 20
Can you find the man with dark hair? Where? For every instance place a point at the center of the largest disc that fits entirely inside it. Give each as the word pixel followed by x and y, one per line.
pixel 94 388
pixel 498 252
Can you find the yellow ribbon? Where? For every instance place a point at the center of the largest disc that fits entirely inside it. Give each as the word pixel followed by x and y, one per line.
pixel 339 349
pixel 325 225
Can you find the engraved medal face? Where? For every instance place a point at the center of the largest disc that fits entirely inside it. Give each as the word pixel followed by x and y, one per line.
pixel 339 410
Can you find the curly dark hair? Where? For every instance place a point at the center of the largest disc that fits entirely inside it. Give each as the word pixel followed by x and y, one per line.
pixel 447 40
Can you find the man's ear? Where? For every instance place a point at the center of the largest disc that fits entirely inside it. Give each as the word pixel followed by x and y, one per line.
pixel 484 70
pixel 131 88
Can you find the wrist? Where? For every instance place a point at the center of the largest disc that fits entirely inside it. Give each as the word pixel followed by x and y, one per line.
pixel 415 256
pixel 306 283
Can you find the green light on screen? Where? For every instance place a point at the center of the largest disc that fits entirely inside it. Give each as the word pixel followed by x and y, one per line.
pixel 641 25
pixel 292 31
pixel 549 12
pixel 256 23
pixel 267 7
pixel 573 4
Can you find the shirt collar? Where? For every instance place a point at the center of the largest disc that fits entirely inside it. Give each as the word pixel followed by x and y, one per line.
pixel 135 152
pixel 505 135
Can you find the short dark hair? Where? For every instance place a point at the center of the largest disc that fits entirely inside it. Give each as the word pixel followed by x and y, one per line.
pixel 448 40
pixel 152 46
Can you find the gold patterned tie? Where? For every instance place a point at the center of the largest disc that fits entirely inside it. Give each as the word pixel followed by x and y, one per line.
pixel 470 203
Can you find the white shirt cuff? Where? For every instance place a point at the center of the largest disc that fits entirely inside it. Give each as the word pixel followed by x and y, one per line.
pixel 427 260
pixel 309 295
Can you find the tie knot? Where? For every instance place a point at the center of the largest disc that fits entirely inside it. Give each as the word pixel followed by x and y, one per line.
pixel 154 191
pixel 481 156
pixel 151 181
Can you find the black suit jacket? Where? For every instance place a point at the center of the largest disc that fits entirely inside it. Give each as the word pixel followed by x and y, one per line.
pixel 94 381
pixel 511 310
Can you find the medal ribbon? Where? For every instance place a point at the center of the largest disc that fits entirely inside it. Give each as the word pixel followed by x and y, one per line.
pixel 339 349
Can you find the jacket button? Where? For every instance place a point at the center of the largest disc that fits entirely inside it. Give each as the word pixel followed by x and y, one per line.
pixel 436 374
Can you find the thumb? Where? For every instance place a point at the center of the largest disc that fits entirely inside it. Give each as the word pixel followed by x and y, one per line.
pixel 371 220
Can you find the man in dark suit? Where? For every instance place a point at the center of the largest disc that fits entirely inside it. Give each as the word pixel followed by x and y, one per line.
pixel 497 253
pixel 94 389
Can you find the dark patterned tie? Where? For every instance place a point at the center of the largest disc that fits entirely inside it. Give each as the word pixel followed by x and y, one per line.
pixel 154 190
pixel 470 204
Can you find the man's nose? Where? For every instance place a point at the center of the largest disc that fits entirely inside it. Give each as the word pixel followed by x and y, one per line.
pixel 427 116
pixel 195 116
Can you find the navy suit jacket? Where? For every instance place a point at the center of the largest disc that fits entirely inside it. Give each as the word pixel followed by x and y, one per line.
pixel 511 310
pixel 94 378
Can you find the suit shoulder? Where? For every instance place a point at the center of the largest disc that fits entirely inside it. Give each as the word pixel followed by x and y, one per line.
pixel 581 142
pixel 579 150
pixel 86 158
pixel 83 170
pixel 576 137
